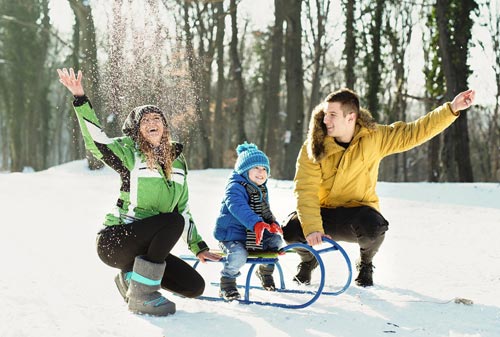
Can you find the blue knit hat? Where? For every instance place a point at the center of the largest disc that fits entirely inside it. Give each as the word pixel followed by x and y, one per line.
pixel 250 156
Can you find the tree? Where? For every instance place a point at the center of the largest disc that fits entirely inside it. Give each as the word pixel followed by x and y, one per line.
pixel 317 21
pixel 493 25
pixel 350 43
pixel 434 89
pixel 272 91
pixel 455 30
pixel 200 82
pixel 295 86
pixel 217 129
pixel 25 37
pixel 85 51
pixel 237 70
pixel 373 60
pixel 398 30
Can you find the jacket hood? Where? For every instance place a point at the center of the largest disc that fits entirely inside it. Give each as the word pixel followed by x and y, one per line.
pixel 317 133
pixel 131 125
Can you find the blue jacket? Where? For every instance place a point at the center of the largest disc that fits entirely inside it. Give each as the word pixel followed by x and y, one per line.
pixel 236 216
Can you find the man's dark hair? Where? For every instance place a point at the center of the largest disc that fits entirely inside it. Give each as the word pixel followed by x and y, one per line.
pixel 348 98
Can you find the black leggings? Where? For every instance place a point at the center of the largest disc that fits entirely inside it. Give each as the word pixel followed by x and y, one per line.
pixel 153 238
pixel 363 225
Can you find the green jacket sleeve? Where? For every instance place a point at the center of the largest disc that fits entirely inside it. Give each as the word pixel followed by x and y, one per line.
pixel 190 234
pixel 109 150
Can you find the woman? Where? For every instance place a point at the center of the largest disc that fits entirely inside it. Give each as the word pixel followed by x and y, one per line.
pixel 151 213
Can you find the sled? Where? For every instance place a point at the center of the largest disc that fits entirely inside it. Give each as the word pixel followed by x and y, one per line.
pixel 310 295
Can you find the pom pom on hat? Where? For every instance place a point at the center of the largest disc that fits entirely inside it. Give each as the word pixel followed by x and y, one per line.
pixel 250 156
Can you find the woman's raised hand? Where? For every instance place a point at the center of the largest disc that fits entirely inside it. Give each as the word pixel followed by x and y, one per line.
pixel 71 81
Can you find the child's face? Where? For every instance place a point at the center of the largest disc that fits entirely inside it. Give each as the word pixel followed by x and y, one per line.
pixel 257 175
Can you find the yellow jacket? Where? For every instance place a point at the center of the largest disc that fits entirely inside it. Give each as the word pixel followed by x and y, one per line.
pixel 336 177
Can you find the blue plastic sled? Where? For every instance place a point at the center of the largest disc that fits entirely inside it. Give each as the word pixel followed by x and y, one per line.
pixel 273 258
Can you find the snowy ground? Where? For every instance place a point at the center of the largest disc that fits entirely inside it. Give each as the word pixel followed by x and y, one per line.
pixel 442 244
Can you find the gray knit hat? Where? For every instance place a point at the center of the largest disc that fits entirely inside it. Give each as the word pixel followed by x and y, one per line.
pixel 131 125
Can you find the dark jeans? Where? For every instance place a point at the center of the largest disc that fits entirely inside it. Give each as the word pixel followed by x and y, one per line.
pixel 363 225
pixel 153 238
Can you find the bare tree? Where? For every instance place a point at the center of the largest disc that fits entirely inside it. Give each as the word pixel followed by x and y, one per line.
pixel 455 30
pixel 86 49
pixel 398 30
pixel 317 24
pixel 350 43
pixel 295 86
pixel 237 69
pixel 272 90
pixel 218 129
pixel 374 59
pixel 493 24
pixel 25 37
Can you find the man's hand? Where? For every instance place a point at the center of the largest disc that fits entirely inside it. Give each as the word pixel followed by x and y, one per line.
pixel 316 238
pixel 207 255
pixel 463 100
pixel 72 82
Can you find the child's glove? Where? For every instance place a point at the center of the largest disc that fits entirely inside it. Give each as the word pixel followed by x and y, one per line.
pixel 258 228
pixel 275 228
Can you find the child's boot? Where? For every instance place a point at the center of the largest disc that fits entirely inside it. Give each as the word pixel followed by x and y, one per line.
pixel 265 274
pixel 228 289
pixel 143 294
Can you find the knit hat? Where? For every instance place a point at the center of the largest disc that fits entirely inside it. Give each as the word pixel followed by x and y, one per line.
pixel 250 156
pixel 131 125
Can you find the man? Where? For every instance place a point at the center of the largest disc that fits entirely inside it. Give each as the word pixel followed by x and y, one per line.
pixel 337 170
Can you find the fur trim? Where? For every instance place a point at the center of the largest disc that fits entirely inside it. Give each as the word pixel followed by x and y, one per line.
pixel 316 133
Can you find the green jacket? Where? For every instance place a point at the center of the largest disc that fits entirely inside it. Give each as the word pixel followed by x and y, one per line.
pixel 144 192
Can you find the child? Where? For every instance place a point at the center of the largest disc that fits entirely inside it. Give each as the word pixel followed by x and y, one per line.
pixel 245 209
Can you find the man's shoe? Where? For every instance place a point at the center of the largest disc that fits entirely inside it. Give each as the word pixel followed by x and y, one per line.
pixel 264 273
pixel 304 270
pixel 365 276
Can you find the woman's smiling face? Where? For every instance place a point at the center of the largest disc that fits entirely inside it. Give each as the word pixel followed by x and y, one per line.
pixel 151 128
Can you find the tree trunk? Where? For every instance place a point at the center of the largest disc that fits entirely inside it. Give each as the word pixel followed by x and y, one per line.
pixel 320 48
pixel 24 36
pixel 193 71
pixel 453 45
pixel 295 87
pixel 219 130
pixel 238 78
pixel 350 44
pixel 374 60
pixel 271 110
pixel 88 62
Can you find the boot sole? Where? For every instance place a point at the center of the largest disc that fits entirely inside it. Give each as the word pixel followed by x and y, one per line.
pixel 162 310
pixel 121 288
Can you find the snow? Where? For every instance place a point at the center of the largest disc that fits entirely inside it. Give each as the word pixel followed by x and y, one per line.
pixel 442 245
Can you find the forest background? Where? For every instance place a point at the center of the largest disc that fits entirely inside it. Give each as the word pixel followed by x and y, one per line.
pixel 236 70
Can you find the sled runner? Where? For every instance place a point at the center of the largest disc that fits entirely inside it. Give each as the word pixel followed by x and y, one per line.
pixel 310 295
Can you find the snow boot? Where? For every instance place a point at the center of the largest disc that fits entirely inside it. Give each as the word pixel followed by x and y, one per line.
pixel 265 274
pixel 228 290
pixel 365 276
pixel 122 281
pixel 143 295
pixel 304 271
